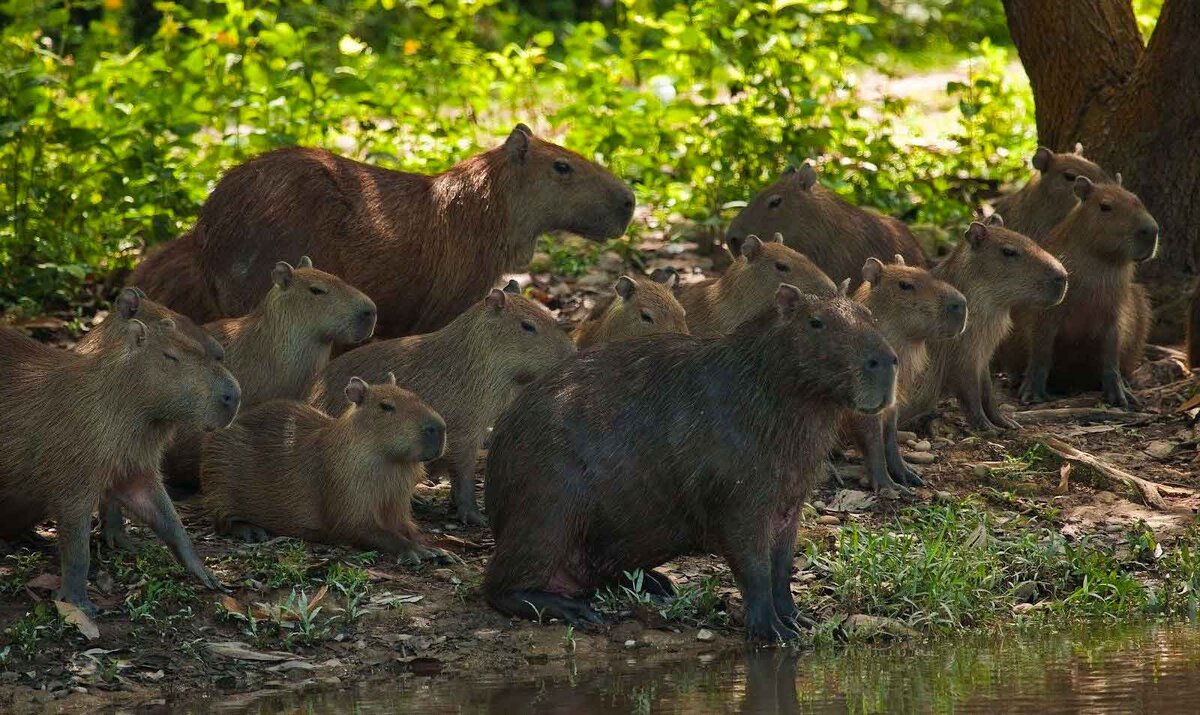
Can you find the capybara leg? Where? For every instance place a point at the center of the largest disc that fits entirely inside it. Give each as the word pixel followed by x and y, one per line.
pixel 146 499
pixel 112 525
pixel 462 487
pixel 870 440
pixel 74 530
pixel 783 555
pixel 897 467
pixel 991 407
pixel 406 545
pixel 771 682
pixel 541 605
pixel 1041 359
pixel 970 399
pixel 831 474
pixel 1116 392
pixel 750 558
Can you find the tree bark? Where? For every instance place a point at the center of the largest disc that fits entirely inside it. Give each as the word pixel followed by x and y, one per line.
pixel 1135 108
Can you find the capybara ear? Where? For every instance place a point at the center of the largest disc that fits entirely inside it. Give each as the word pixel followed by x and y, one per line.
pixel 128 303
pixel 517 143
pixel 667 276
pixel 735 245
pixel 787 299
pixel 872 271
pixel 166 325
pixel 976 233
pixel 1078 148
pixel 625 287
pixel 136 334
pixel 356 390
pixel 512 286
pixel 1120 181
pixel 899 260
pixel 1041 158
pixel 776 237
pixel 994 220
pixel 305 262
pixel 844 287
pixel 281 274
pixel 496 299
pixel 808 176
pixel 1083 187
pixel 751 247
pixel 391 378
pixel 141 293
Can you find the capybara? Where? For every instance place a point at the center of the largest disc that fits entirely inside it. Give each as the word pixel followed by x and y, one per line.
pixel 1050 195
pixel 1097 335
pixel 468 371
pixel 836 235
pixel 1193 328
pixel 76 427
pixel 910 307
pixel 285 468
pixel 747 287
pixel 423 247
pixel 640 306
pixel 644 450
pixel 997 270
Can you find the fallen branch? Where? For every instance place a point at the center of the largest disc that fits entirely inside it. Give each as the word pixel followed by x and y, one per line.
pixel 1152 492
pixel 1080 414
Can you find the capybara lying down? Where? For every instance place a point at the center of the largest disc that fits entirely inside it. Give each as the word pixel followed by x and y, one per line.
pixel 286 469
pixel 468 371
pixel 640 306
pixel 644 450
pixel 424 248
pixel 76 427
pixel 1039 205
pixel 835 234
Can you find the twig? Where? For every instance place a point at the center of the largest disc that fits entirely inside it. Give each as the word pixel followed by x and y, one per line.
pixel 1082 414
pixel 1152 492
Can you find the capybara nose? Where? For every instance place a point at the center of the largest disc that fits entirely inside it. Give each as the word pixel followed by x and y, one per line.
pixel 231 396
pixel 1146 241
pixel 433 440
pixel 956 306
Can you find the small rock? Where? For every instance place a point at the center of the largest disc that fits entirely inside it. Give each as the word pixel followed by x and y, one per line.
pixel 942 495
pixel 865 626
pixel 1025 591
pixel 1022 608
pixel 1159 449
pixel 828 520
pixel 611 262
pixel 906 437
pixel 705 635
pixel 942 443
pixel 1106 497
pixel 981 470
pixel 631 643
pixel 818 505
pixel 852 500
pixel 921 457
pixel 922 446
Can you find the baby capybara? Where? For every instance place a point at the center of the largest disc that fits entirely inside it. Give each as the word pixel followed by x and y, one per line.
pixel 423 247
pixel 1096 336
pixel 747 287
pixel 286 469
pixel 997 270
pixel 1049 196
pixel 836 235
pixel 76 427
pixel 468 371
pixel 910 307
pixel 641 306
pixel 632 454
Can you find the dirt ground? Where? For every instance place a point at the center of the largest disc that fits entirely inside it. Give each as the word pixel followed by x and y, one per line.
pixel 432 620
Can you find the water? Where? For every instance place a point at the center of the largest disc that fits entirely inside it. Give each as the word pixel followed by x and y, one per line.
pixel 1100 669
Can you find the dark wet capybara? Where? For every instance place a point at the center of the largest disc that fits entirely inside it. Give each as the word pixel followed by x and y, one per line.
pixel 285 468
pixel 639 306
pixel 632 454
pixel 424 248
pixel 76 427
pixel 835 234
pixel 1048 197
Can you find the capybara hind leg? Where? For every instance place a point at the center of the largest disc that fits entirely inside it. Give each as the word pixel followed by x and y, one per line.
pixel 991 407
pixel 897 467
pixel 1034 387
pixel 112 525
pixel 970 399
pixel 74 530
pixel 869 435
pixel 783 555
pixel 462 487
pixel 246 531
pixel 749 555
pixel 542 605
pixel 146 499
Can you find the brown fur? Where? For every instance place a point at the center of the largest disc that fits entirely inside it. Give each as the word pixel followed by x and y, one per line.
pixel 1049 196
pixel 132 303
pixel 1193 328
pixel 997 270
pixel 468 371
pixel 423 247
pixel 837 236
pixel 639 306
pixel 286 469
pixel 718 305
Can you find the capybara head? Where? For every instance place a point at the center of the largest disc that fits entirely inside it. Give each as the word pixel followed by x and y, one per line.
pixel 394 423
pixel 132 303
pixel 334 310
pixel 564 190
pixel 912 300
pixel 1112 222
pixel 1008 269
pixel 520 335
pixel 768 263
pixel 179 382
pixel 782 208
pixel 645 307
pixel 1055 187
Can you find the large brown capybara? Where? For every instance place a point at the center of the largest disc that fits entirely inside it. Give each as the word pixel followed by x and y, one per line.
pixel 997 270
pixel 1048 197
pixel 836 235
pixel 747 287
pixel 1097 335
pixel 635 453
pixel 640 306
pixel 468 371
pixel 285 468
pixel 76 427
pixel 425 248
pixel 911 307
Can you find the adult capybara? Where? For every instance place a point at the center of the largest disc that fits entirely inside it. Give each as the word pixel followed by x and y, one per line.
pixel 640 306
pixel 286 469
pixel 76 427
pixel 1050 195
pixel 747 287
pixel 1096 336
pixel 997 270
pixel 644 450
pixel 910 307
pixel 836 235
pixel 423 247
pixel 468 371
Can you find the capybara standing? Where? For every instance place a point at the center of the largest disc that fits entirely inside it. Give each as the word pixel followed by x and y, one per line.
pixel 641 306
pixel 836 235
pixel 423 247
pixel 76 427
pixel 1096 336
pixel 997 270
pixel 468 371
pixel 747 287
pixel 644 450
pixel 1047 198
pixel 910 307
pixel 286 469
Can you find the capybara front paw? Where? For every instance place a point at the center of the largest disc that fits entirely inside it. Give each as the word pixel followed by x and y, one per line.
pixel 117 539
pixel 472 516
pixel 209 579
pixel 1006 422
pixel 909 477
pixel 1032 394
pixel 770 631
pixel 80 600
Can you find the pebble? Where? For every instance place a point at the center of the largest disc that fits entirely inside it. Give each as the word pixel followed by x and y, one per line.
pixel 906 437
pixel 1159 449
pixel 705 635
pixel 942 443
pixel 631 643
pixel 818 505
pixel 922 446
pixel 943 495
pixel 921 457
pixel 828 519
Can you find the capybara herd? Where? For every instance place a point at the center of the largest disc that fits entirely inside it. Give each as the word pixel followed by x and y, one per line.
pixel 679 417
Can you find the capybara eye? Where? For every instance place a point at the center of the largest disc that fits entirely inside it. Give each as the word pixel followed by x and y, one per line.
pixel 1069 176
pixel 317 290
pixel 647 318
pixel 816 323
pixel 387 407
pixel 1106 206
pixel 172 358
pixel 1010 252
pixel 528 326
pixel 774 202
pixel 782 267
pixel 905 285
pixel 562 167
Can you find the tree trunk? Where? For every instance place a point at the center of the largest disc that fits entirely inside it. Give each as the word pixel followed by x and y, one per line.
pixel 1136 109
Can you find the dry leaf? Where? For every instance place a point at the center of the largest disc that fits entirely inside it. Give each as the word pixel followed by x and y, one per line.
pixel 1064 478
pixel 46 581
pixel 72 614
pixel 241 651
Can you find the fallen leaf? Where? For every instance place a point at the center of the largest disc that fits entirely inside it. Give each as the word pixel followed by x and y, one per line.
pixel 1064 478
pixel 72 614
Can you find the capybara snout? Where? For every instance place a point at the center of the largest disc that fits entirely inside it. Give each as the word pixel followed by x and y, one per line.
pixel 194 386
pixel 1145 243
pixel 877 381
